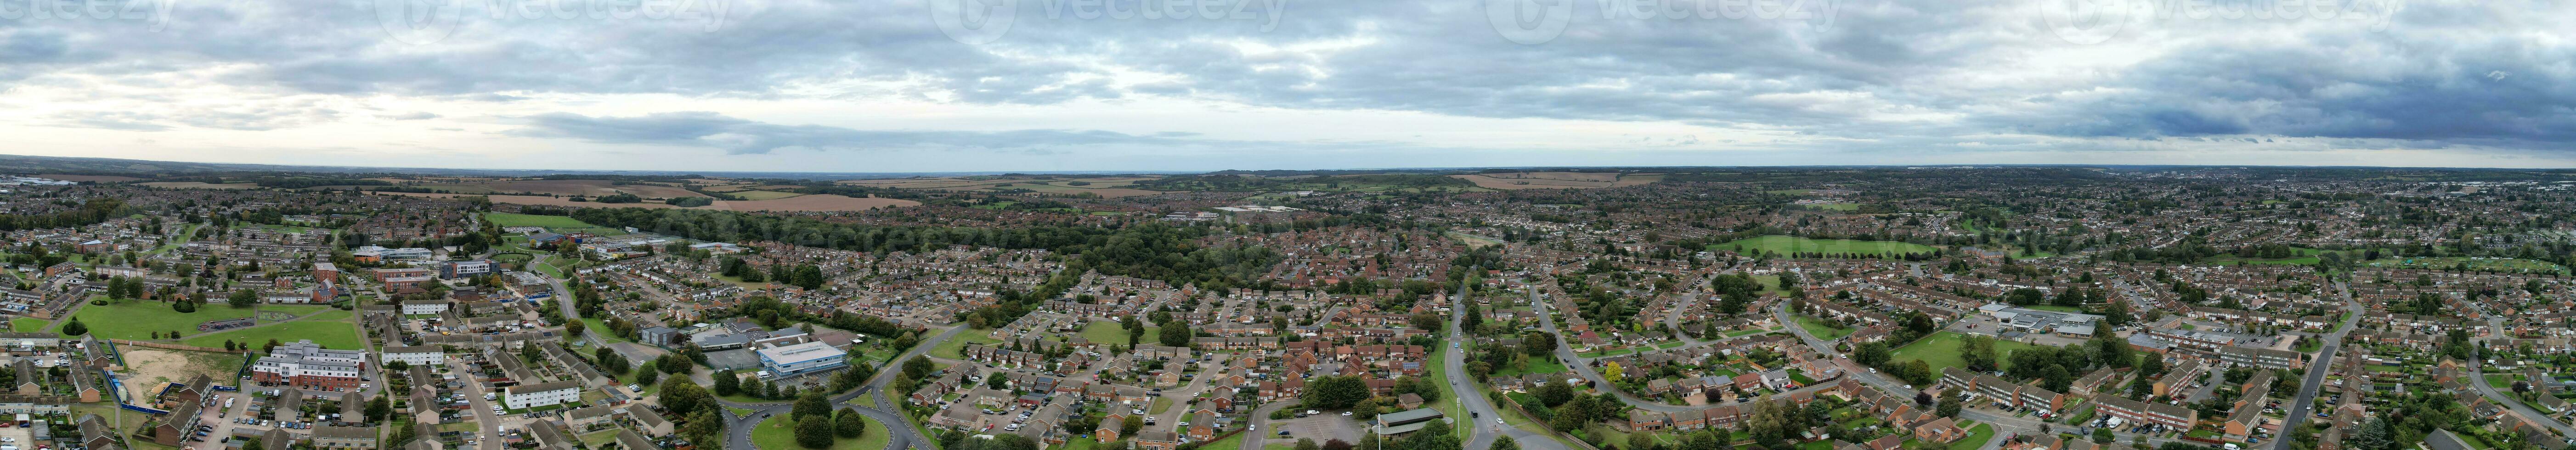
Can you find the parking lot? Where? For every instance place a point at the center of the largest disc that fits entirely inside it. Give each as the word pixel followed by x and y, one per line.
pixel 1320 427
pixel 24 438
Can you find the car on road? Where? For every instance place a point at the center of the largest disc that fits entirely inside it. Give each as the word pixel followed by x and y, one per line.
pixel 1312 412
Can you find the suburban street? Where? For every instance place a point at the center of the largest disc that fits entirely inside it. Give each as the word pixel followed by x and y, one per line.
pixel 2478 375
pixel 2317 369
pixel 738 429
pixel 1481 434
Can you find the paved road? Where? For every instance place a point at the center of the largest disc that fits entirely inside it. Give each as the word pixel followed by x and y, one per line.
pixel 2004 425
pixel 2478 376
pixel 2299 409
pixel 738 428
pixel 1583 366
pixel 1481 434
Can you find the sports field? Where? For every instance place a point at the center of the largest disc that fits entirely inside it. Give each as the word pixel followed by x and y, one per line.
pixel 139 319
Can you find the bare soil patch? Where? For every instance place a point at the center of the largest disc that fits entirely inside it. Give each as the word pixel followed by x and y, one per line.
pixel 152 369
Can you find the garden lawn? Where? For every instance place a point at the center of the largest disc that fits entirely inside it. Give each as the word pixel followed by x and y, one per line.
pixel 331 335
pixel 1235 441
pixel 1824 331
pixel 28 325
pixel 600 327
pixel 1105 332
pixel 779 434
pixel 1976 439
pixel 1942 350
pixel 1530 365
pixel 955 348
pixel 138 319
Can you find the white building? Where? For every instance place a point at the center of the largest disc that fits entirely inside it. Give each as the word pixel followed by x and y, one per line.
pixel 542 394
pixel 790 360
pixel 418 307
pixel 424 355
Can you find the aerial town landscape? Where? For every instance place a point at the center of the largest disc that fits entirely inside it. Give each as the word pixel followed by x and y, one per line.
pixel 1288 225
pixel 194 306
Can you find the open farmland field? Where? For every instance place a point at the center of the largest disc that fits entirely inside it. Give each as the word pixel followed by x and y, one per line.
pixel 566 187
pixel 1557 180
pixel 763 195
pixel 797 203
pixel 813 203
pixel 197 185
pixel 89 178
pixel 1108 187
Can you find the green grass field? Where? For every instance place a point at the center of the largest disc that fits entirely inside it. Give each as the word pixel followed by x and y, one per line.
pixel 340 335
pixel 778 433
pixel 1976 439
pixel 1099 332
pixel 954 348
pixel 1530 366
pixel 1793 244
pixel 138 319
pixel 28 325
pixel 1817 326
pixel 1942 350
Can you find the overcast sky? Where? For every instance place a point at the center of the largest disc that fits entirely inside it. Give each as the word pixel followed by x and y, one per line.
pixel 973 85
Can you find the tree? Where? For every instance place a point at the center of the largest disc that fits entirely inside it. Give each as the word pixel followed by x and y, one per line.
pixel 1610 371
pixel 1503 443
pixel 573 329
pixel 1336 444
pixel 812 404
pixel 814 432
pixel 1872 354
pixel 727 383
pixel 2374 435
pixel 1950 404
pixel 851 425
pixel 1335 392
pixel 683 397
pixel 1553 394
pixel 75 328
pixel 1309 444
pixel 1175 334
pixel 648 375
pixel 244 298
pixel 379 409
pixel 2103 436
